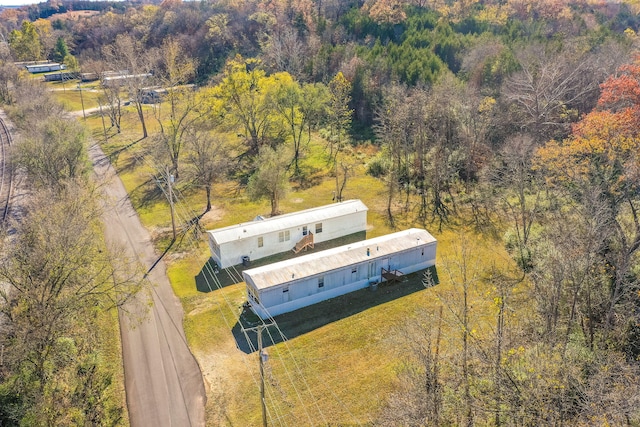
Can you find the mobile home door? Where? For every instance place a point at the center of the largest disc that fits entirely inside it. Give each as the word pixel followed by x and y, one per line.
pixel 372 270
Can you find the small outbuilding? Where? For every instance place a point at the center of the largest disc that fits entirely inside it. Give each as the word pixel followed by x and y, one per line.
pixel 299 282
pixel 296 231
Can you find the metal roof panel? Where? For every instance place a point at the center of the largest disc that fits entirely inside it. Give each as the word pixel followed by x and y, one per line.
pixel 287 221
pixel 343 256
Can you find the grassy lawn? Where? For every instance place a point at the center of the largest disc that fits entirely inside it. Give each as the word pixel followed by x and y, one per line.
pixel 68 93
pixel 341 357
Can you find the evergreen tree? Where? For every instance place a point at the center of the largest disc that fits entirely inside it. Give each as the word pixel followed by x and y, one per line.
pixel 61 51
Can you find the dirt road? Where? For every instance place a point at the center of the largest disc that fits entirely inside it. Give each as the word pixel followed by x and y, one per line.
pixel 163 381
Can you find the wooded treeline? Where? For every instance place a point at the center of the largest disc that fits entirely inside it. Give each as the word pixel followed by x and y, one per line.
pixel 518 119
pixel 58 279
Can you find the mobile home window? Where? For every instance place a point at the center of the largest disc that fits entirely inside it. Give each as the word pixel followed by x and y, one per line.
pixel 354 269
pixel 260 242
pixel 284 236
pixel 305 231
pixel 319 227
pixel 321 282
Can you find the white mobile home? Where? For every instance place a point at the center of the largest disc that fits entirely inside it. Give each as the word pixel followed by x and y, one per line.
pixel 44 67
pixel 295 283
pixel 264 237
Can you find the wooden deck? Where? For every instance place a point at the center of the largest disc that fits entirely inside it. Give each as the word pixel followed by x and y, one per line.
pixel 392 276
pixel 302 245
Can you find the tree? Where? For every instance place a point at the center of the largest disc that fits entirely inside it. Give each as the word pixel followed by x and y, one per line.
pixel 387 11
pixel 45 33
pixel 176 70
pixel 339 120
pixel 8 76
pixel 57 272
pixel 521 196
pixel 242 99
pixel 134 64
pixel 34 105
pixel 339 113
pixel 61 50
pixel 271 179
pixel 597 168
pixel 299 107
pixel 393 129
pixel 442 144
pixel 25 43
pixel 569 286
pixel 464 272
pixel 208 157
pixel 112 99
pixel 551 90
pixel 419 396
pixel 285 51
pixel 54 152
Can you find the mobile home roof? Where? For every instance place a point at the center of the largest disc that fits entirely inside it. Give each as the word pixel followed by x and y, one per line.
pixel 282 222
pixel 336 258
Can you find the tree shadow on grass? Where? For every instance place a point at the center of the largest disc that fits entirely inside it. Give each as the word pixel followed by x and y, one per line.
pixel 146 194
pixel 130 162
pixel 309 318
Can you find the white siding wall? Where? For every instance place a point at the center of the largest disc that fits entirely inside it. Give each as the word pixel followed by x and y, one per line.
pixel 305 292
pixel 337 227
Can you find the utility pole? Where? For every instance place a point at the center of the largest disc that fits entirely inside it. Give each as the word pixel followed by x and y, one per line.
pixel 82 102
pixel 262 358
pixel 173 220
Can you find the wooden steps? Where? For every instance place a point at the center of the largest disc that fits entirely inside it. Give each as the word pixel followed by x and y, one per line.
pixel 306 242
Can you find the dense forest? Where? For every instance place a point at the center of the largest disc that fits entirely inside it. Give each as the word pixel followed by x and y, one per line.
pixel 517 119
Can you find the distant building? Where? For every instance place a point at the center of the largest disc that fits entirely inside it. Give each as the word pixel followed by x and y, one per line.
pixel 154 95
pixel 44 67
pixel 89 77
pixel 121 79
pixel 264 237
pixel 61 76
pixel 288 285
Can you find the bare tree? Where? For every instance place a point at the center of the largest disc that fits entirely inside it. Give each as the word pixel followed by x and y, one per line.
pixel 418 399
pixel 134 64
pixel 464 273
pixel 394 128
pixel 53 152
pixel 183 112
pixel 568 285
pixel 8 75
pixel 442 122
pixel 271 179
pixel 551 90
pixel 283 50
pixel 521 196
pixel 207 155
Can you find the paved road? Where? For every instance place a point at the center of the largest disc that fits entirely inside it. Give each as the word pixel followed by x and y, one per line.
pixel 163 381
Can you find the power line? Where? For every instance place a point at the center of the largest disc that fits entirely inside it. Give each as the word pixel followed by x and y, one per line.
pixel 188 220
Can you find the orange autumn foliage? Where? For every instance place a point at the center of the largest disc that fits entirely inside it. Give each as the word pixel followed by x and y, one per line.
pixel 604 147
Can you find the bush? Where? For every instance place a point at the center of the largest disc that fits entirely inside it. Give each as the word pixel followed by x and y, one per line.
pixel 376 168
